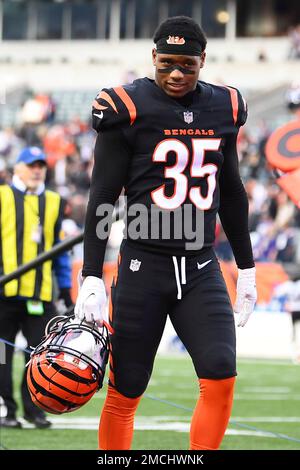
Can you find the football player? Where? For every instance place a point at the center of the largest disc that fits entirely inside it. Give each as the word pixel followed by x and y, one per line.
pixel 171 143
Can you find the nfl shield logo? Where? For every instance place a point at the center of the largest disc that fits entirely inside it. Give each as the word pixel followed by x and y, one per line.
pixel 135 265
pixel 188 117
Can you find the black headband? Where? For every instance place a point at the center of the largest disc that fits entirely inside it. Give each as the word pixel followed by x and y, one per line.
pixel 179 45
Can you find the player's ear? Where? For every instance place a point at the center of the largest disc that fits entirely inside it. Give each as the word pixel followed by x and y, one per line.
pixel 202 59
pixel 154 56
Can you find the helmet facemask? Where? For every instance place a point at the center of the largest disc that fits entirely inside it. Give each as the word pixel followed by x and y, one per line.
pixel 68 366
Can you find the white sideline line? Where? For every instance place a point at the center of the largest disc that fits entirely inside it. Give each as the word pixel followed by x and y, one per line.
pixel 235 432
pixel 142 420
pixel 138 419
pixel 255 397
pixel 267 419
pixel 142 424
pixel 238 396
pixel 157 422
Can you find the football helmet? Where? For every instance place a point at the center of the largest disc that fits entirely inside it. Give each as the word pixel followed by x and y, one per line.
pixel 68 366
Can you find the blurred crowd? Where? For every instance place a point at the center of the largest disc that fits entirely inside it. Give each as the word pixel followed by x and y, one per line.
pixel 294 37
pixel 69 150
pixel 274 219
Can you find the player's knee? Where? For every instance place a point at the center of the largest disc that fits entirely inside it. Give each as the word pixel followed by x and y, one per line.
pixel 219 362
pixel 132 382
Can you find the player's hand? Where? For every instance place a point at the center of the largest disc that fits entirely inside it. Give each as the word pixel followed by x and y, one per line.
pixel 91 301
pixel 246 295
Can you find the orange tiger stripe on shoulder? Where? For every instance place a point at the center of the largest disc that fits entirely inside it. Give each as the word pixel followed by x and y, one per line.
pixel 105 96
pixel 128 103
pixel 96 105
pixel 234 102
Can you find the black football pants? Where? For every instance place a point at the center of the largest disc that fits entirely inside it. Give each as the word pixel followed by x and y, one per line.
pixel 192 291
pixel 13 318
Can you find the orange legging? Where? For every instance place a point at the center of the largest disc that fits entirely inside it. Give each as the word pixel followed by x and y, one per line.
pixel 209 422
pixel 212 413
pixel 117 419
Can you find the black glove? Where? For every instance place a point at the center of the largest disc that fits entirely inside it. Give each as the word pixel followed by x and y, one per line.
pixel 65 295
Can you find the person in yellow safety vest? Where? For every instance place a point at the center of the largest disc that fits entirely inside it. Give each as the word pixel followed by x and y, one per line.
pixel 30 223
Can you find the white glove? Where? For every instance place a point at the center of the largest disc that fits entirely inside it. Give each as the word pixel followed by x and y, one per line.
pixel 246 295
pixel 91 301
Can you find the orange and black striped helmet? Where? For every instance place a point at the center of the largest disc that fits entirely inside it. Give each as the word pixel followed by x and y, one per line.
pixel 68 366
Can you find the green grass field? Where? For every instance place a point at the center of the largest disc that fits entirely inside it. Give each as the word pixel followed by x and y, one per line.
pixel 266 412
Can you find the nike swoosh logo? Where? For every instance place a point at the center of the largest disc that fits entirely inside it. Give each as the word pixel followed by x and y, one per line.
pixel 100 116
pixel 200 266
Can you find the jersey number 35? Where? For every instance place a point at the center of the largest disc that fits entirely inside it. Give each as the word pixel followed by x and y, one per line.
pixel 198 169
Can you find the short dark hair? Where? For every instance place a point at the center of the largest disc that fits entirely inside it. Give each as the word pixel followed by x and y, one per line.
pixel 181 26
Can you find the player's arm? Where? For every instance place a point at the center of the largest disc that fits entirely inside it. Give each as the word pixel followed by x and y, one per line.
pixel 234 205
pixel 111 162
pixel 233 214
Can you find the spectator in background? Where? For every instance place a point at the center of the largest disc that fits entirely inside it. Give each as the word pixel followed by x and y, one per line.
pixel 284 211
pixel 50 110
pixel 33 111
pixel 31 218
pixel 37 109
pixel 3 173
pixel 293 96
pixel 294 36
pixel 58 144
pixel 293 306
pixel 5 142
pixel 80 177
pixel 288 294
pixel 10 145
pixel 78 203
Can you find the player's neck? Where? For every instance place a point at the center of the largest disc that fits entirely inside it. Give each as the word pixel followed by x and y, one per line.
pixel 187 99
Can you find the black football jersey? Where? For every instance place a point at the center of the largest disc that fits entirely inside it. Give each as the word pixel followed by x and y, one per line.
pixel 177 153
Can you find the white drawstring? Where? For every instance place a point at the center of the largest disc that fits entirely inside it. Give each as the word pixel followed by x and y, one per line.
pixel 183 275
pixel 177 277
